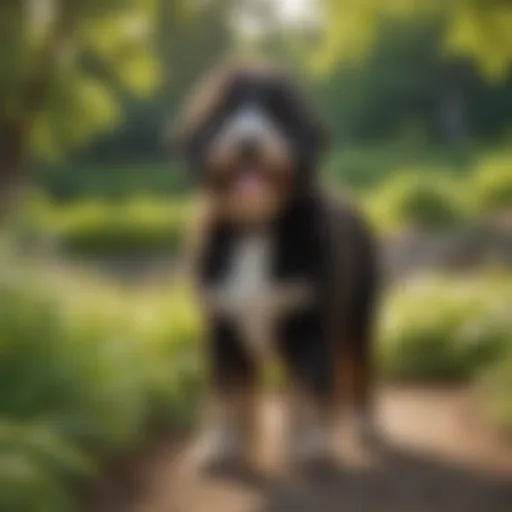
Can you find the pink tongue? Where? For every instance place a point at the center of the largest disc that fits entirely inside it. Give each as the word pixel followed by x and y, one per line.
pixel 249 185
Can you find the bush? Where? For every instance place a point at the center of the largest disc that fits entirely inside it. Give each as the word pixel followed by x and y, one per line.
pixel 364 167
pixel 417 201
pixel 116 181
pixel 497 389
pixel 100 228
pixel 490 188
pixel 437 330
pixel 36 467
pixel 84 372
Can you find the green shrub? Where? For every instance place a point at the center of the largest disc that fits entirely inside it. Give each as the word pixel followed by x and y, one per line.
pixel 490 188
pixel 43 399
pixel 100 228
pixel 435 330
pixel 365 167
pixel 37 467
pixel 116 181
pixel 415 200
pixel 85 369
pixel 497 389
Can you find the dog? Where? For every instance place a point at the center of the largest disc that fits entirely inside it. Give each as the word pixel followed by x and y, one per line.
pixel 282 268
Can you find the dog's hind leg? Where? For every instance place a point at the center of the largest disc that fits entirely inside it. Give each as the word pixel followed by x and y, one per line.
pixel 306 355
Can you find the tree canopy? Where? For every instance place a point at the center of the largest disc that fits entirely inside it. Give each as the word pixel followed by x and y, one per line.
pixel 478 29
pixel 74 68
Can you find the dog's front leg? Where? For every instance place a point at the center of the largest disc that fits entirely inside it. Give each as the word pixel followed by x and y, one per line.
pixel 232 417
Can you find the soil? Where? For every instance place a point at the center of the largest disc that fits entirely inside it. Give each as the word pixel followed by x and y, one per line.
pixel 436 455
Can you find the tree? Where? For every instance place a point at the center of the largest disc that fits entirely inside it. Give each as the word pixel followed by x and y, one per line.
pixel 62 64
pixel 479 29
pixel 384 66
pixel 190 36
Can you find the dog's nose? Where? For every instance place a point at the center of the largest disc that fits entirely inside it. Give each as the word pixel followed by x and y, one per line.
pixel 248 148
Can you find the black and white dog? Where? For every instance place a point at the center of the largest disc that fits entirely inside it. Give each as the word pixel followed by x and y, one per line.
pixel 281 268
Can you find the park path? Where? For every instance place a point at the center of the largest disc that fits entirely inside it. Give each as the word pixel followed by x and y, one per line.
pixel 437 456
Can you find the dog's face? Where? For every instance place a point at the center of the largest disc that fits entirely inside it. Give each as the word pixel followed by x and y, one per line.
pixel 252 140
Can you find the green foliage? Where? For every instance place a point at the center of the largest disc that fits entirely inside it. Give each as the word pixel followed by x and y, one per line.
pixel 67 62
pixel 385 66
pixel 444 329
pixel 452 329
pixel 189 38
pixel 354 166
pixel 124 66
pixel 115 181
pixel 416 200
pixel 135 210
pixel 85 369
pixel 363 167
pixel 470 28
pixel 497 389
pixel 31 458
pixel 481 30
pixel 102 228
pixel 490 188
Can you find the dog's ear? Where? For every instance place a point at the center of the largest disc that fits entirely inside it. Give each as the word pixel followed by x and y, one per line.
pixel 199 110
pixel 310 127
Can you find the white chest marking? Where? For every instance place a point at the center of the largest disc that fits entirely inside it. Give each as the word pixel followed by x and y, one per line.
pixel 251 298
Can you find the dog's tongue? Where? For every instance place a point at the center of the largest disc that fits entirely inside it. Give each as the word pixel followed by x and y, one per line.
pixel 250 185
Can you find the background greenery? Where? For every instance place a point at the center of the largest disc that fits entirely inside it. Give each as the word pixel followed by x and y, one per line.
pixel 417 95
pixel 435 195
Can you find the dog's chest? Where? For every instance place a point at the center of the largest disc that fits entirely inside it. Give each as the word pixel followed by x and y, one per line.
pixel 249 295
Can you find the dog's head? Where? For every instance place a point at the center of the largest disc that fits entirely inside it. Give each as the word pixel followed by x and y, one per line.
pixel 251 138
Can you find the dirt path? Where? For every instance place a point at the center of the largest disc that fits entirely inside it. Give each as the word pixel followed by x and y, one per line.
pixel 437 456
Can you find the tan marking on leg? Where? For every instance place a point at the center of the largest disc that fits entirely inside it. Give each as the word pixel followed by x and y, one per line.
pixel 248 420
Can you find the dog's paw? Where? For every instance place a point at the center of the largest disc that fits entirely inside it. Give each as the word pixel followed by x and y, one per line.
pixel 312 446
pixel 220 448
pixel 364 429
